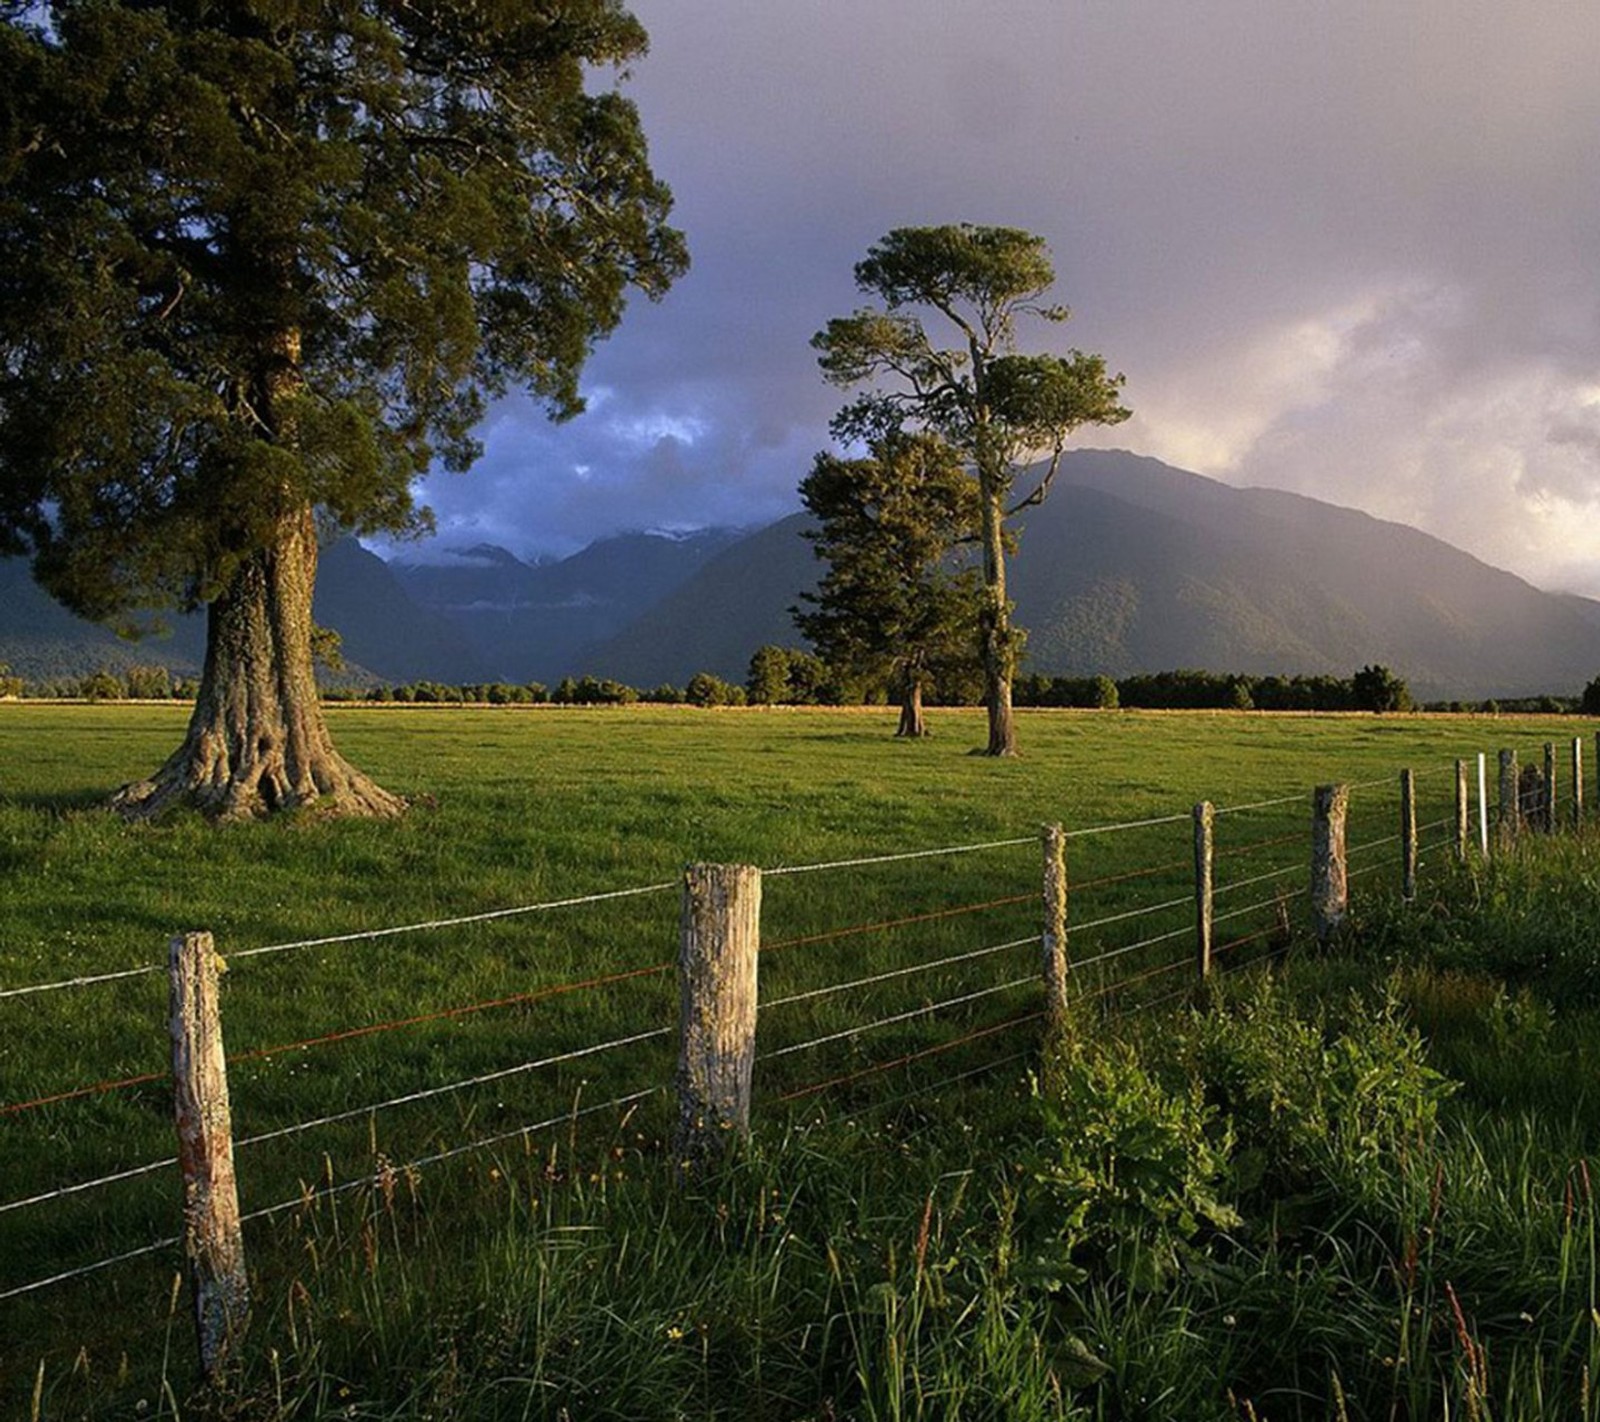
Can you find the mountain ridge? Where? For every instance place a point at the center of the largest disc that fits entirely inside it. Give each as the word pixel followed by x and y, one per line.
pixel 1130 566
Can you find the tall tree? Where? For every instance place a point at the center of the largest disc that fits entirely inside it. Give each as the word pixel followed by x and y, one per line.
pixel 266 262
pixel 893 604
pixel 999 407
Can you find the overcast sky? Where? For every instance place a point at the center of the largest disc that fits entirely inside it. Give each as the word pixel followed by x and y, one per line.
pixel 1349 248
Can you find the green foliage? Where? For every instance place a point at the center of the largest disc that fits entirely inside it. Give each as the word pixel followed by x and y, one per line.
pixel 1376 688
pixel 789 676
pixel 705 689
pixel 1589 702
pixel 1130 1169
pixel 103 686
pixel 992 407
pixel 896 604
pixel 1310 1100
pixel 593 691
pixel 262 257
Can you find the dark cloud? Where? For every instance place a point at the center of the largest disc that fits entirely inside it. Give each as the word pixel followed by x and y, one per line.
pixel 1344 249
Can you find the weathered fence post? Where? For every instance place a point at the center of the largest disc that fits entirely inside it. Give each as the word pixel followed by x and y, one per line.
pixel 1577 782
pixel 1463 822
pixel 1054 939
pixel 213 1238
pixel 1483 805
pixel 1204 857
pixel 1330 882
pixel 1408 835
pixel 1547 807
pixel 1510 800
pixel 720 939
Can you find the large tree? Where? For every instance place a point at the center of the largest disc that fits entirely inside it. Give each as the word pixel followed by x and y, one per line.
pixel 999 407
pixel 266 261
pixel 895 603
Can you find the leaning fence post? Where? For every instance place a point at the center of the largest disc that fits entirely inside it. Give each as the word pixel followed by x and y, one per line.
pixel 1577 782
pixel 1054 939
pixel 213 1239
pixel 1204 859
pixel 1510 799
pixel 1330 883
pixel 720 939
pixel 1547 809
pixel 1408 835
pixel 1463 824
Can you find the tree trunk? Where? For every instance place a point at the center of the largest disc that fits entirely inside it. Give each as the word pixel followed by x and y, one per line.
pixel 994 627
pixel 258 742
pixel 913 724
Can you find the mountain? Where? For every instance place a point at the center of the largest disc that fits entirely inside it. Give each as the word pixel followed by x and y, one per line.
pixel 384 633
pixel 532 621
pixel 1132 565
pixel 1129 566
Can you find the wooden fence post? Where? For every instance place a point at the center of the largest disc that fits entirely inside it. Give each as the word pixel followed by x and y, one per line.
pixel 1510 800
pixel 1483 805
pixel 1547 806
pixel 720 939
pixel 1204 859
pixel 1408 835
pixel 1330 882
pixel 1463 803
pixel 1054 939
pixel 213 1238
pixel 1577 782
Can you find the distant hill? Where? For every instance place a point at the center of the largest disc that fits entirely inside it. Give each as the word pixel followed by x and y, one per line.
pixel 532 621
pixel 1132 565
pixel 383 631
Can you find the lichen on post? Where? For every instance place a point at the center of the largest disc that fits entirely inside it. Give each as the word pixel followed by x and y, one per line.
pixel 719 944
pixel 213 1237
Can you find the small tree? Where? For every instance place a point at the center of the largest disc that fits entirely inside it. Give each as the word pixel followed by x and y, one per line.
pixel 1376 688
pixel 996 407
pixel 1590 703
pixel 708 689
pixel 767 682
pixel 893 604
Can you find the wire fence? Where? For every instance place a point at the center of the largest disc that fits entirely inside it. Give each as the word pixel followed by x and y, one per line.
pixel 843 1005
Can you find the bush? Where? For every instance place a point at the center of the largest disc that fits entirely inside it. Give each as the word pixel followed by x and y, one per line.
pixel 102 686
pixel 148 683
pixel 1310 1101
pixel 705 689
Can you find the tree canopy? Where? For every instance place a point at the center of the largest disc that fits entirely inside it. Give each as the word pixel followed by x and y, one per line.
pixel 1000 408
pixel 895 603
pixel 268 260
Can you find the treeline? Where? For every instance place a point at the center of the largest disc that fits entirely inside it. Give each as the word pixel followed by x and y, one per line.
pixel 790 676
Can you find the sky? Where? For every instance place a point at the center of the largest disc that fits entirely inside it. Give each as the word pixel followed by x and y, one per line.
pixel 1348 248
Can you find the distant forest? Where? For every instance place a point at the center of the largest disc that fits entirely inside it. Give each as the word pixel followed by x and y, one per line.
pixel 785 676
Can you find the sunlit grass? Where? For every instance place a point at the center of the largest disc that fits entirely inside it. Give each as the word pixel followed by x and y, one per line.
pixel 515 807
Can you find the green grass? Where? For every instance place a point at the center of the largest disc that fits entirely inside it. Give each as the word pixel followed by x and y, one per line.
pixel 517 807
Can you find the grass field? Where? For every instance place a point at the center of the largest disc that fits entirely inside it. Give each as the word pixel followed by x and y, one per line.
pixel 517 807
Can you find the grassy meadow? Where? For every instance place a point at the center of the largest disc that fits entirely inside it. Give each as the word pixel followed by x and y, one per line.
pixel 1384 1146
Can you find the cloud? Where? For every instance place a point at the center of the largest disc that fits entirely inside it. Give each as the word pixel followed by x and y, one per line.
pixel 1347 250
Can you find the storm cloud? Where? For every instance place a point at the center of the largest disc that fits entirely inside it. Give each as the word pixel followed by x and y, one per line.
pixel 1350 249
